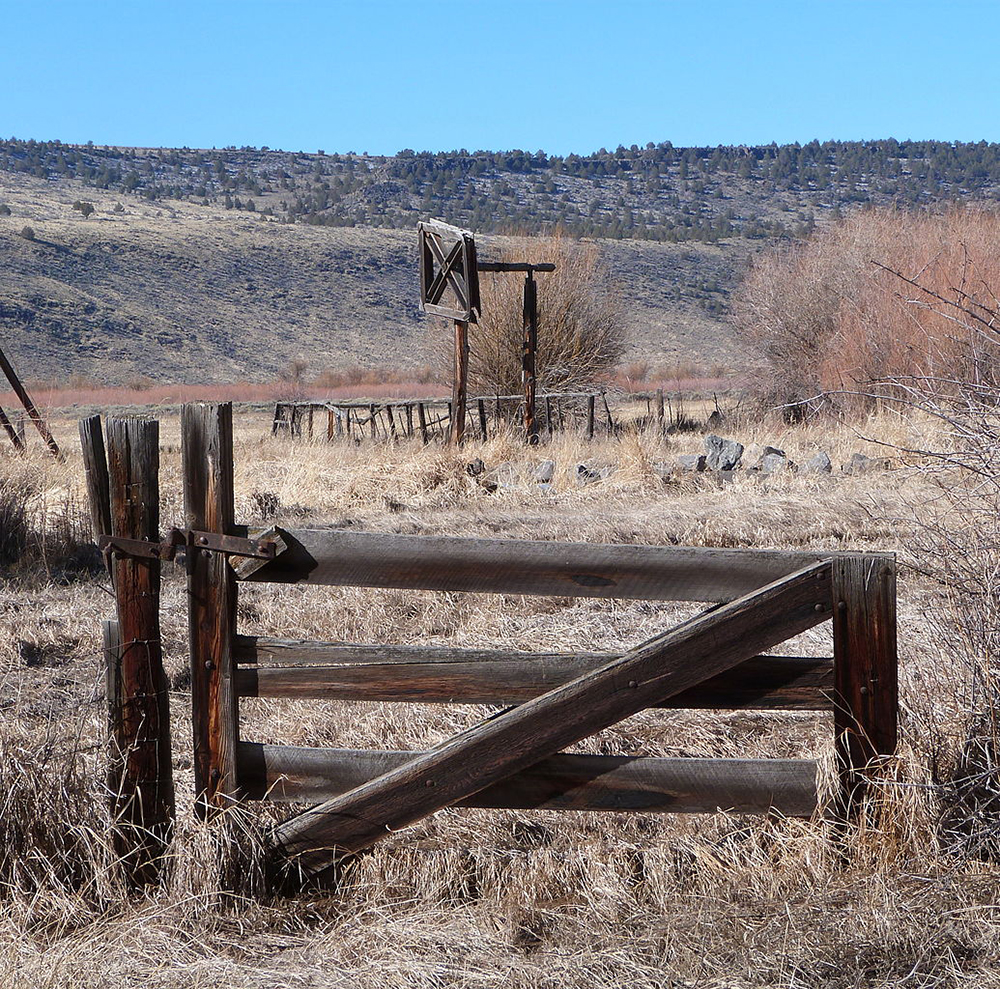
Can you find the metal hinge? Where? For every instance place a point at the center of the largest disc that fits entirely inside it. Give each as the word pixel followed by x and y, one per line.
pixel 215 542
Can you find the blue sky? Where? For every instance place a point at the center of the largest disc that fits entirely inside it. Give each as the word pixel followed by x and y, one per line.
pixel 552 74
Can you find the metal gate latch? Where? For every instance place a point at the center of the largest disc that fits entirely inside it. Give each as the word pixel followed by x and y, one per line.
pixel 214 542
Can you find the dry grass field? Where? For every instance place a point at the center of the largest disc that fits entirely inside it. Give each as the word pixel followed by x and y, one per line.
pixel 474 897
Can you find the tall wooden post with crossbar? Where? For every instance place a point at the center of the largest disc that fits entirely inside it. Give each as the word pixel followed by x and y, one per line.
pixel 449 286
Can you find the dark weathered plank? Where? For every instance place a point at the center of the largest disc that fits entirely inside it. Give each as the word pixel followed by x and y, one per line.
pixel 498 266
pixel 518 738
pixel 140 739
pixel 511 566
pixel 426 674
pixel 95 467
pixel 207 455
pixel 865 669
pixel 459 388
pixel 529 344
pixel 561 782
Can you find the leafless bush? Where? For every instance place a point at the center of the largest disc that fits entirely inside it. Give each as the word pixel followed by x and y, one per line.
pixel 954 538
pixel 831 316
pixel 581 334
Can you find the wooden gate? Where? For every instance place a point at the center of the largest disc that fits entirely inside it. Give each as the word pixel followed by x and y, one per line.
pixel 717 659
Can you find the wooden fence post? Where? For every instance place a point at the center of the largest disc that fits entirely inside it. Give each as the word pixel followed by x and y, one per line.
pixel 422 418
pixel 207 455
pixel 459 386
pixel 866 697
pixel 660 415
pixel 141 775
pixel 481 405
pixel 591 403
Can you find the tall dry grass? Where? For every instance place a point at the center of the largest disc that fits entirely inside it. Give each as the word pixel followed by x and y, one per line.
pixel 825 316
pixel 529 900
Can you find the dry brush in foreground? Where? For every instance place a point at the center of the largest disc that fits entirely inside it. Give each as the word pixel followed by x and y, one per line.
pixel 478 897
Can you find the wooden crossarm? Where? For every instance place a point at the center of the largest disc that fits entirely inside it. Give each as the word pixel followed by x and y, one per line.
pixel 522 736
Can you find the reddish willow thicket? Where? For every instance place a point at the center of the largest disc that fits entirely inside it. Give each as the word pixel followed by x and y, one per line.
pixel 823 316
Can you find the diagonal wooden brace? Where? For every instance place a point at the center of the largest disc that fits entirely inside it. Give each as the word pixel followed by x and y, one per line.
pixel 518 738
pixel 446 274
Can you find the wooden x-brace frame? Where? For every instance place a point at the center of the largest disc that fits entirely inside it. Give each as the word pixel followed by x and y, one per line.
pixel 500 747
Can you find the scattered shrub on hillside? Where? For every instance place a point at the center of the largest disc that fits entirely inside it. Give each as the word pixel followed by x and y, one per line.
pixel 27 233
pixel 581 332
pixel 823 316
pixel 4 209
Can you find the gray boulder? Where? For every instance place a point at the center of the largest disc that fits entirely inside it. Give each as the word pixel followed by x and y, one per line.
pixel 820 464
pixel 722 454
pixel 545 471
pixel 772 460
pixel 588 475
pixel 860 464
pixel 692 461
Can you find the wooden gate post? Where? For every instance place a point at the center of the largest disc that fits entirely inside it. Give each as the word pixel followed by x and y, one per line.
pixel 207 455
pixel 529 346
pixel 140 773
pixel 460 384
pixel 866 696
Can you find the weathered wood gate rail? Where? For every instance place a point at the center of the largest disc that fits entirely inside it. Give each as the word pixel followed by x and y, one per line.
pixel 714 660
pixel 432 418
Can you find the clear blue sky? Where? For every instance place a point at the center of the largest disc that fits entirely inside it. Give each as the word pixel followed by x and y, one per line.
pixel 560 75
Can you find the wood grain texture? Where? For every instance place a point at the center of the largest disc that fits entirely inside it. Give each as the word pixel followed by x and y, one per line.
pixel 142 773
pixel 95 467
pixel 513 566
pixel 865 670
pixel 561 782
pixel 426 674
pixel 207 456
pixel 518 738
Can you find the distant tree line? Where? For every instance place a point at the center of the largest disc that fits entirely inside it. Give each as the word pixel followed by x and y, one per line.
pixel 657 192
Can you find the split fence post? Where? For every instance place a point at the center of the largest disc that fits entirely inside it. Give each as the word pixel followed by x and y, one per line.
pixel 95 467
pixel 140 773
pixel 207 455
pixel 659 409
pixel 866 697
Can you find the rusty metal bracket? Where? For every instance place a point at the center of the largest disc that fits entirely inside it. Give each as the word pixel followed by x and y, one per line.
pixel 214 542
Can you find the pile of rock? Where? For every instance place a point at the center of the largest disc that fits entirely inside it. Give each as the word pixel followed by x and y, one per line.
pixel 725 456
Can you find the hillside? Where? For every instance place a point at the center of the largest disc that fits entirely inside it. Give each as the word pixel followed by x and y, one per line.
pixel 658 192
pixel 177 291
pixel 231 263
